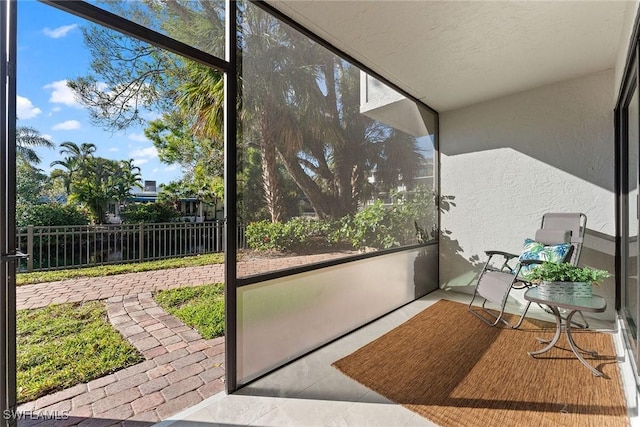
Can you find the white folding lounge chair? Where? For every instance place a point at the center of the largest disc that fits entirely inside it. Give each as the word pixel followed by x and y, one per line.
pixel 559 239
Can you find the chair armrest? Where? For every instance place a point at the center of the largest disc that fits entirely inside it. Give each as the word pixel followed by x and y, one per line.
pixel 505 267
pixel 530 261
pixel 501 253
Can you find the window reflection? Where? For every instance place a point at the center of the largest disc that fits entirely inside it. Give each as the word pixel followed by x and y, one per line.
pixel 332 161
pixel 198 23
pixel 631 285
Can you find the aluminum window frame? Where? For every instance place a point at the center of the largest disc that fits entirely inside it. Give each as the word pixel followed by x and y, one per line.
pixel 630 85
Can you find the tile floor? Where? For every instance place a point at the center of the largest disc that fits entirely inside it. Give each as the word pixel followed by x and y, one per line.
pixel 309 392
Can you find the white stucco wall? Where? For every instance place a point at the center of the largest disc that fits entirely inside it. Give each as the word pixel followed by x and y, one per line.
pixel 506 162
pixel 625 38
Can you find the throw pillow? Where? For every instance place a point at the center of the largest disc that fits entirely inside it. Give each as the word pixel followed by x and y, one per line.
pixel 539 251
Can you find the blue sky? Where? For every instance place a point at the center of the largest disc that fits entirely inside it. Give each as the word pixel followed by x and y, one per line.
pixel 50 52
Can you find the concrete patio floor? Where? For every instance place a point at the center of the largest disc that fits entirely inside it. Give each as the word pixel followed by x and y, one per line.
pixel 310 392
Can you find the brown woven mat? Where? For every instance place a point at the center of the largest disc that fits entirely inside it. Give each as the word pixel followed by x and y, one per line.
pixel 451 368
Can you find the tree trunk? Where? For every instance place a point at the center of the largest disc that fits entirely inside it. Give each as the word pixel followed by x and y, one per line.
pixel 272 193
pixel 325 205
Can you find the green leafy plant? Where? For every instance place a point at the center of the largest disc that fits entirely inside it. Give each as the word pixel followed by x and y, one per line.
pixel 50 214
pixel 148 212
pixel 370 227
pixel 383 226
pixel 294 235
pixel 565 272
pixel 377 226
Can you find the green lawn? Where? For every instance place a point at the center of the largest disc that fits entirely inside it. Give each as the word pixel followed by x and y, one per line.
pixel 201 307
pixel 112 269
pixel 66 344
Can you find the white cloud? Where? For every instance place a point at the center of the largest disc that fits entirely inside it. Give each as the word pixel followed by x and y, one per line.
pixel 149 153
pixel 114 149
pixel 62 94
pixel 151 115
pixel 53 111
pixel 68 125
pixel 143 155
pixel 138 137
pixel 25 109
pixel 59 32
pixel 170 168
pixel 47 136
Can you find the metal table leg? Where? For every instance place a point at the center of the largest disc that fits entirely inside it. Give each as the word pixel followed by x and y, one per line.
pixel 553 340
pixel 595 304
pixel 574 347
pixel 577 350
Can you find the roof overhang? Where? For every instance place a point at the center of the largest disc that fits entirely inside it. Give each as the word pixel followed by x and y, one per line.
pixel 454 54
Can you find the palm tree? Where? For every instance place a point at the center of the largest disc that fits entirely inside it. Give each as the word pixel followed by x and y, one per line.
pixel 310 101
pixel 71 166
pixel 305 102
pixel 126 177
pixel 80 152
pixel 93 187
pixel 74 161
pixel 201 96
pixel 26 139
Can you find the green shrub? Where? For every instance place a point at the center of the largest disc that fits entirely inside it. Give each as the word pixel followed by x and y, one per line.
pixel 376 226
pixel 50 214
pixel 148 213
pixel 294 235
pixel 370 227
pixel 383 226
pixel 265 236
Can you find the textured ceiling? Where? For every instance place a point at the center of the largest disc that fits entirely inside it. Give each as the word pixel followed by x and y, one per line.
pixel 451 54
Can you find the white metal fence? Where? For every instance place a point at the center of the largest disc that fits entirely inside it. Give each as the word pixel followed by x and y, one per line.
pixel 63 247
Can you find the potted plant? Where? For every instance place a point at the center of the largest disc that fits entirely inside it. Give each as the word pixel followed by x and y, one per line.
pixel 564 279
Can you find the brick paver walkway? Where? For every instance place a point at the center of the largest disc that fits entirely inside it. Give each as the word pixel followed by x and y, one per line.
pixel 181 369
pixel 99 288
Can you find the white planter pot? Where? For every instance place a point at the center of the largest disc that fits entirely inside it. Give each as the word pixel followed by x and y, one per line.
pixel 565 289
